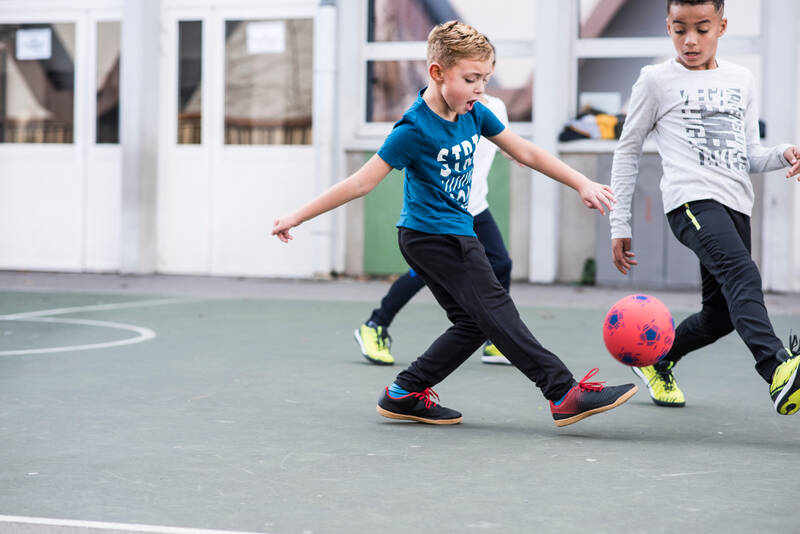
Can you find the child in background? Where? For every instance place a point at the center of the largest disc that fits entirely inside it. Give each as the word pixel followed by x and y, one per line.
pixel 703 116
pixel 435 142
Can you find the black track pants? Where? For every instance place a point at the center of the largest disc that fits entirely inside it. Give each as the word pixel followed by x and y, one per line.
pixel 459 275
pixel 732 294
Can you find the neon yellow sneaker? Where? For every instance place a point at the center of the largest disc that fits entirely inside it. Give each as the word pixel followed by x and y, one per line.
pixel 661 384
pixel 491 354
pixel 785 387
pixel 374 342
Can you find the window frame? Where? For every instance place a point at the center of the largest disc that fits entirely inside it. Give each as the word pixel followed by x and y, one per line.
pixel 214 68
pixel 269 17
pixel 79 120
pixel 640 47
pixel 368 132
pixel 633 47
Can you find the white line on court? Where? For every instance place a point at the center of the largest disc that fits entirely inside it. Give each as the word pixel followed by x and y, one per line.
pixel 9 524
pixel 95 307
pixel 142 333
pixel 694 473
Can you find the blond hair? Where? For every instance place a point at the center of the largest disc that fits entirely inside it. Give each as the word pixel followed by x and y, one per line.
pixel 452 41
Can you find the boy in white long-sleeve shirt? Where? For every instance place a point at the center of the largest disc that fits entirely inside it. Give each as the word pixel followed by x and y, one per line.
pixel 703 116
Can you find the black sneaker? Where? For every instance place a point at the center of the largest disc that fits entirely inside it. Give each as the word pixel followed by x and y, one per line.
pixel 417 407
pixel 589 398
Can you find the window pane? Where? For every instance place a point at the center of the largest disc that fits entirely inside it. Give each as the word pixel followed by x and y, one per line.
pixel 392 86
pixel 190 89
pixel 513 83
pixel 605 83
pixel 411 20
pixel 108 45
pixel 612 18
pixel 37 83
pixel 268 81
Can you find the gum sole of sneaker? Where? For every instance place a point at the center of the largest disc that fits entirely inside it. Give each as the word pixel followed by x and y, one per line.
pixel 657 402
pixel 364 351
pixel 392 415
pixel 575 418
pixel 789 404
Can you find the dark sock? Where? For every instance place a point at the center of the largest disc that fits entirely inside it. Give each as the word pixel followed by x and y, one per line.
pixel 663 365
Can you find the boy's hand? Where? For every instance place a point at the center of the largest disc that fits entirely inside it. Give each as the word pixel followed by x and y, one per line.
pixel 792 155
pixel 622 255
pixel 594 195
pixel 282 225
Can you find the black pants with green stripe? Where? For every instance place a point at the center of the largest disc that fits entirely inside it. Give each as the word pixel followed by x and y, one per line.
pixel 731 284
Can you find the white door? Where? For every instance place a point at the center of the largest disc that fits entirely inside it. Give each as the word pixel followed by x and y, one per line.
pixel 60 172
pixel 237 90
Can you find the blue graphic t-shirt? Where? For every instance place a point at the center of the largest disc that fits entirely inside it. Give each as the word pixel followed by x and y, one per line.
pixel 437 156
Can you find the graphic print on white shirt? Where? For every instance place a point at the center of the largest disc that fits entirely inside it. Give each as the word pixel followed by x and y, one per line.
pixel 706 133
pixel 714 121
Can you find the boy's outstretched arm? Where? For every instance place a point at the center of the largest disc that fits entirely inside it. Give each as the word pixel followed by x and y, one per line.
pixel 356 185
pixel 593 194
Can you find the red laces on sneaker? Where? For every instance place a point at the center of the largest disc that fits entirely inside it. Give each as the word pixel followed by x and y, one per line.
pixel 591 386
pixel 427 395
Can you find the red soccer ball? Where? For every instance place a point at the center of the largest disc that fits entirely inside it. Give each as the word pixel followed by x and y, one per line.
pixel 638 330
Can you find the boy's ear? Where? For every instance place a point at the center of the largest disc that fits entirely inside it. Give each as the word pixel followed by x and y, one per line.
pixel 436 72
pixel 723 25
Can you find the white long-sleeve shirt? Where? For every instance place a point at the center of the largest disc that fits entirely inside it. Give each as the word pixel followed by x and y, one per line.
pixel 705 127
pixel 484 156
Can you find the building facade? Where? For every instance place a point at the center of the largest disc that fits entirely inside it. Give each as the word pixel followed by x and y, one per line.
pixel 143 136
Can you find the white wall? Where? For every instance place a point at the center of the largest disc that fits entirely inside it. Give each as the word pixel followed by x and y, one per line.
pixel 796 140
pixel 59 203
pixel 102 208
pixel 61 207
pixel 41 208
pixel 780 261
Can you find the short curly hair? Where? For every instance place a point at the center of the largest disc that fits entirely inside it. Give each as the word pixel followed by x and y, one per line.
pixel 453 40
pixel 719 5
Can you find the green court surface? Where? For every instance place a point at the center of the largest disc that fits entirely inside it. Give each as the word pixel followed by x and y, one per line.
pixel 249 408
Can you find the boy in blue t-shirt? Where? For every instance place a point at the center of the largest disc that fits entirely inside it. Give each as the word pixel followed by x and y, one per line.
pixel 435 142
pixel 373 336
